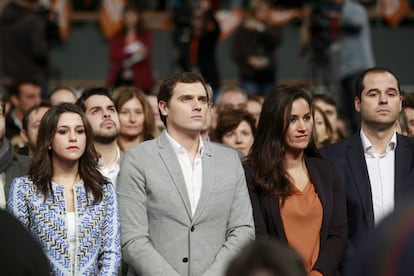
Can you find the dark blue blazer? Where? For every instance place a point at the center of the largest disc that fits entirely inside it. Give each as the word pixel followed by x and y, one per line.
pixel 349 157
pixel 329 185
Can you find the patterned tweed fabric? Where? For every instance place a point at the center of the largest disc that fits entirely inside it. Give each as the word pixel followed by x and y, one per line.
pixel 98 234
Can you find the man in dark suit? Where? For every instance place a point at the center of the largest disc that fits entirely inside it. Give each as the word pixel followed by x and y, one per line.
pixel 11 164
pixel 378 163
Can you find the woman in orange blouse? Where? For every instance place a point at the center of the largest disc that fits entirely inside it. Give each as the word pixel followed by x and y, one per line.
pixel 297 197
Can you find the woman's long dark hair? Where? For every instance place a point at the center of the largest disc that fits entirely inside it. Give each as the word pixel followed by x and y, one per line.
pixel 140 26
pixel 268 150
pixel 41 169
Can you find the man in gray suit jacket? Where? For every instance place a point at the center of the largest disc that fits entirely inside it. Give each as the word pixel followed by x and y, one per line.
pixel 184 205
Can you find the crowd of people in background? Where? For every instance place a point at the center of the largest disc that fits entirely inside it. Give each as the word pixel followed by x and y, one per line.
pixel 185 176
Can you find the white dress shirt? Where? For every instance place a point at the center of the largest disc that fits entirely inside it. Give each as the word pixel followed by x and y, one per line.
pixel 193 176
pixel 71 233
pixel 2 193
pixel 112 172
pixel 381 176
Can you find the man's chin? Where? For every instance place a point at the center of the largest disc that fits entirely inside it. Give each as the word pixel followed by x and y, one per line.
pixel 105 139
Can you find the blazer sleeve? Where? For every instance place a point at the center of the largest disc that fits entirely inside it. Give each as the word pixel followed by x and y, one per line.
pixel 240 227
pixel 137 248
pixel 110 256
pixel 16 203
pixel 331 253
pixel 255 199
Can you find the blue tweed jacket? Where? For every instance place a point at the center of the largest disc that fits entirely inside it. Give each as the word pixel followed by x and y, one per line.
pixel 98 230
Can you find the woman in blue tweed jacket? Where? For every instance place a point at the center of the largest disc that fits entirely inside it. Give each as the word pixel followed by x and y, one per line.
pixel 69 207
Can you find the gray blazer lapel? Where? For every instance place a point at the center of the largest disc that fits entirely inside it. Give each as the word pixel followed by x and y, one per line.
pixel 209 180
pixel 172 164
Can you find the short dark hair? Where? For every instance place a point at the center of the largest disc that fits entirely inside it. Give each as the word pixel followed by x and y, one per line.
pixel 359 84
pixel 26 116
pixel 228 89
pixel 58 88
pixel 15 87
pixel 267 255
pixel 103 91
pixel 408 100
pixel 229 119
pixel 167 87
pixel 325 98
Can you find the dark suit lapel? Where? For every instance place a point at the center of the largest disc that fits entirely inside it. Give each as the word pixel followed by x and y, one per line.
pixel 273 208
pixel 315 178
pixel 172 164
pixel 356 161
pixel 209 179
pixel 403 166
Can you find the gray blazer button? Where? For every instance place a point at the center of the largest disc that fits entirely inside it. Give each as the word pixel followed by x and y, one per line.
pixel 185 260
pixel 192 229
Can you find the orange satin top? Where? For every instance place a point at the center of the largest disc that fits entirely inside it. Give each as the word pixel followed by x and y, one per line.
pixel 302 220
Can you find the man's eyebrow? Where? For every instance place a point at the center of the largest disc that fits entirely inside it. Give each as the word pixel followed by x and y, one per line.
pixel 95 107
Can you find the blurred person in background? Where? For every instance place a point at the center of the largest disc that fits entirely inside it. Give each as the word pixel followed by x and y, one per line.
pixel 231 97
pixel 130 53
pixel 254 106
pixel 401 126
pixel 24 45
pixel 205 38
pixel 182 33
pixel 408 108
pixel 208 127
pixel 60 95
pixel 153 101
pixel 235 128
pixel 323 132
pixel 355 53
pixel 31 122
pixel 23 95
pixel 135 117
pixel 254 50
pixel 340 46
pixel 329 107
pixel 11 164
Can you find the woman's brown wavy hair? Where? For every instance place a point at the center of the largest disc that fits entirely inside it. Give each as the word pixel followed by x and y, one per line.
pixel 41 169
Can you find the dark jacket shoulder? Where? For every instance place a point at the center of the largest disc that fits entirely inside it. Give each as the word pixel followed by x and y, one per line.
pixel 19 166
